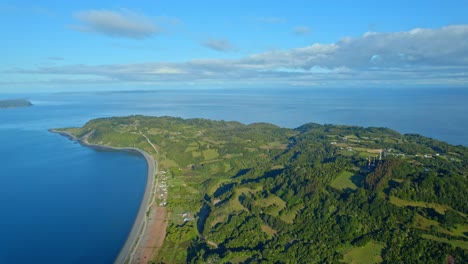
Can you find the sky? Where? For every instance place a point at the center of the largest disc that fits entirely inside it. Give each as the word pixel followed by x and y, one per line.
pixel 126 45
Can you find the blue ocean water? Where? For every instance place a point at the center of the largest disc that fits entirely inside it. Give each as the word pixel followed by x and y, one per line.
pixel 64 203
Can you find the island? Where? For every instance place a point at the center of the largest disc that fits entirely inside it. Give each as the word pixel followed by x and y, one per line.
pixel 226 192
pixel 13 103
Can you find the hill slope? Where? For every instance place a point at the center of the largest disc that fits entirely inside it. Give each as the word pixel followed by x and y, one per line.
pixel 263 194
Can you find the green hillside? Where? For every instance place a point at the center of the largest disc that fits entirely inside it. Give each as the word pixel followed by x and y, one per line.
pixel 316 194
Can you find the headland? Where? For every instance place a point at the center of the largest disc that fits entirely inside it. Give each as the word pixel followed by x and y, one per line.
pixel 14 103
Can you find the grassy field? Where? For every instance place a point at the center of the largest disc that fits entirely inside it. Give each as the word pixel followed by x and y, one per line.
pixel 230 206
pixel 456 243
pixel 423 223
pixel 268 230
pixel 343 181
pixel 460 230
pixel 274 145
pixel 440 208
pixel 219 219
pixel 370 253
pixel 210 154
pixel 191 148
pixel 234 204
pixel 164 164
pixel 215 184
pixel 290 215
pixel 273 203
pixel 239 259
pixel 172 253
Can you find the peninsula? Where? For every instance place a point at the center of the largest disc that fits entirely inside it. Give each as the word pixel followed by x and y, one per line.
pixel 13 103
pixel 225 192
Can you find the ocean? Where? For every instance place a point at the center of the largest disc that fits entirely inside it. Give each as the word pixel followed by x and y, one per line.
pixel 65 203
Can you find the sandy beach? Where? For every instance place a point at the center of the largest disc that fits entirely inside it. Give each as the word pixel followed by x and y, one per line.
pixel 139 223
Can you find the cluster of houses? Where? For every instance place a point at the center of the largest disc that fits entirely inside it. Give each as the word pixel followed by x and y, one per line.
pixel 161 189
pixel 161 195
pixel 187 216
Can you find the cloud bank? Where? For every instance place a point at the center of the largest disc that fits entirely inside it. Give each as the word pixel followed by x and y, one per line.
pixel 420 57
pixel 123 23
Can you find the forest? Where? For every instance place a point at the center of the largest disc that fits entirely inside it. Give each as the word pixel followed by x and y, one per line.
pixel 260 193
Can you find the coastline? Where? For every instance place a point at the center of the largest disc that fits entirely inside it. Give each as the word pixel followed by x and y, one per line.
pixel 151 173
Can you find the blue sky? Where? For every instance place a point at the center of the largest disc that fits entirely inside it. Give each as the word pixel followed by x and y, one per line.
pixel 107 45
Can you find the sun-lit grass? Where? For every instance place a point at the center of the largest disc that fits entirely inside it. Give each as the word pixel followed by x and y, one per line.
pixel 191 148
pixel 239 259
pixel 440 208
pixel 167 163
pixel 290 215
pixel 274 145
pixel 351 136
pixel 343 181
pixel 210 154
pixel 172 253
pixel 227 166
pixel 423 223
pixel 230 206
pixel 427 224
pixel 273 204
pixel 370 253
pixel 456 243
pixel 234 204
pixel 215 184
pixel 268 230
pixel 460 230
pixel 347 153
pixel 219 219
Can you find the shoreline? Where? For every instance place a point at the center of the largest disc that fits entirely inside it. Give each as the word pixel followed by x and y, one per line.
pixel 151 174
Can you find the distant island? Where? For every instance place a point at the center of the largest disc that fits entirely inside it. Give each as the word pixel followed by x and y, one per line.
pixel 13 103
pixel 225 192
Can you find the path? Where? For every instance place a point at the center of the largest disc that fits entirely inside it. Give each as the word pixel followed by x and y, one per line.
pixel 154 227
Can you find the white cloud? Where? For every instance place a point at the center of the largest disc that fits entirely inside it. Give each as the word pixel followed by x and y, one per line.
pixel 123 23
pixel 218 45
pixel 417 57
pixel 422 47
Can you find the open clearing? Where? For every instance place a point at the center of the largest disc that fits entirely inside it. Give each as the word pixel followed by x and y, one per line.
pixel 343 181
pixel 370 253
pixel 440 208
pixel 456 243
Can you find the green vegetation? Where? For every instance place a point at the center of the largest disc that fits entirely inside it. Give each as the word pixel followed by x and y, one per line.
pixel 343 181
pixel 370 253
pixel 14 103
pixel 439 208
pixel 210 154
pixel 315 194
pixel 456 243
